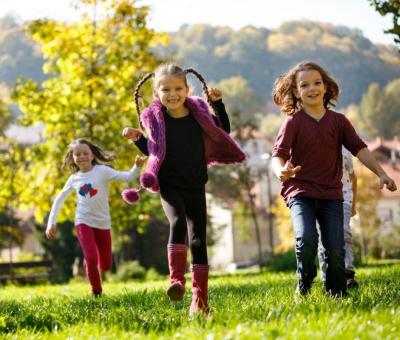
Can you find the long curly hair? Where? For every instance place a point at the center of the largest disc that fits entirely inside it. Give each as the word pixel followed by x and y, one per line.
pixel 100 156
pixel 285 84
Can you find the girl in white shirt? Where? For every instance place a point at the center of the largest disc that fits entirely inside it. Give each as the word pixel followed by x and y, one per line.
pixel 90 180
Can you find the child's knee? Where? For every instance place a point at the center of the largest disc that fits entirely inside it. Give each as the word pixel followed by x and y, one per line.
pixel 307 243
pixel 91 261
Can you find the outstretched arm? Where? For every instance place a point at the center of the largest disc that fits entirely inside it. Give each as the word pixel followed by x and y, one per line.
pixel 57 204
pixel 367 158
pixel 216 97
pixel 284 170
pixel 126 176
pixel 137 137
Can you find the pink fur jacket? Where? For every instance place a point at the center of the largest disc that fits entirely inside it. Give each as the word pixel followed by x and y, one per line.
pixel 220 148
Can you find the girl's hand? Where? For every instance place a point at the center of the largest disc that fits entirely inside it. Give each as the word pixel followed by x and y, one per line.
pixel 51 232
pixel 131 133
pixel 139 161
pixel 288 171
pixel 390 184
pixel 215 94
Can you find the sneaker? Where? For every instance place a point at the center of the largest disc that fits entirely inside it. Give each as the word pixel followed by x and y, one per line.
pixel 351 284
pixel 303 288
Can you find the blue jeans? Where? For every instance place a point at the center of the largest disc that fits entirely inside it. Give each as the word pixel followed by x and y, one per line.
pixel 329 214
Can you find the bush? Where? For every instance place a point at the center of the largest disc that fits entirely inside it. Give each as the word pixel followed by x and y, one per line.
pixel 154 275
pixel 389 242
pixel 283 262
pixel 130 270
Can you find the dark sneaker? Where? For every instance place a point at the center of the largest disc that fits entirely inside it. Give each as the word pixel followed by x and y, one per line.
pixel 351 284
pixel 303 288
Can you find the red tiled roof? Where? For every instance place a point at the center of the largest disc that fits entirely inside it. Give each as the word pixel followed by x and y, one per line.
pixel 378 142
pixel 378 146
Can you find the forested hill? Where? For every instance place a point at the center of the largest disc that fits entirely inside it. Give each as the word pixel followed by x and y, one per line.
pixel 19 55
pixel 258 55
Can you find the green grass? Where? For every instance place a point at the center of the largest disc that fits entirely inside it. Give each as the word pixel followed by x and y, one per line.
pixel 245 306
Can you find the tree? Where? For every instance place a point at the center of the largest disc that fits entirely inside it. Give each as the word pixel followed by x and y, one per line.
pixel 19 54
pixel 234 187
pixel 368 194
pixel 283 224
pixel 379 110
pixel 389 7
pixel 92 67
pixel 10 154
pixel 240 99
pixel 270 125
pixel 5 118
pixel 260 55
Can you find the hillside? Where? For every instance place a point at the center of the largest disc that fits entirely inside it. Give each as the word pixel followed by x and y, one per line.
pixel 19 56
pixel 258 55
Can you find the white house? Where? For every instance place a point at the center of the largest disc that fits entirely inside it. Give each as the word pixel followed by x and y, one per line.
pixel 237 242
pixel 388 154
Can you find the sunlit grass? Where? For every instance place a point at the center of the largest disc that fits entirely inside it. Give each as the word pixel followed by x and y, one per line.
pixel 245 306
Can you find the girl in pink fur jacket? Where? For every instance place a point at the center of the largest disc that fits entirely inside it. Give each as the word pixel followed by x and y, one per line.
pixel 183 138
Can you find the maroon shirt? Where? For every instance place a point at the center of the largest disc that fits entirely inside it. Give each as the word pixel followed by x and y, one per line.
pixel 317 147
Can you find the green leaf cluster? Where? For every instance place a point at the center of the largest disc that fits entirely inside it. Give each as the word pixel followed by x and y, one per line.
pixel 92 67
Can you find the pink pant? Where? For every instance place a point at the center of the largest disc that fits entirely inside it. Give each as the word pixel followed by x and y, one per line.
pixel 96 247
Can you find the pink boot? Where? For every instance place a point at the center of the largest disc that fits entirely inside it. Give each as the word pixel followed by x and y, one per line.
pixel 177 268
pixel 199 289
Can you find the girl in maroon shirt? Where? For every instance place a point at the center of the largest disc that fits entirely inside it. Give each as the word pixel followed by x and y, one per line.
pixel 307 159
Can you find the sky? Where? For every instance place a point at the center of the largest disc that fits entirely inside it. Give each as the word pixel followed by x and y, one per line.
pixel 169 15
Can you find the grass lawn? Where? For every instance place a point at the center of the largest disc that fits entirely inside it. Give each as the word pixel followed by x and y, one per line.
pixel 245 306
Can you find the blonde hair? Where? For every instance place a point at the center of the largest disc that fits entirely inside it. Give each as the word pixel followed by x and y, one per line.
pixel 284 85
pixel 171 70
pixel 98 153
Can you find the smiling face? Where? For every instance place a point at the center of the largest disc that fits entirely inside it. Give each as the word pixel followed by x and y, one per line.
pixel 310 89
pixel 83 157
pixel 172 91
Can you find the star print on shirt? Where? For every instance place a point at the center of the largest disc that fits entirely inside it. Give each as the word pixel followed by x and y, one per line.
pixel 87 189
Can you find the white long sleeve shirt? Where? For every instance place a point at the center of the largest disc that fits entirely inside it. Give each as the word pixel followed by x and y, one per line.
pixel 92 191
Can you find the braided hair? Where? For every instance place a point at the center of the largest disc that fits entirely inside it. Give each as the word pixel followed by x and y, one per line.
pixel 173 70
pixel 137 95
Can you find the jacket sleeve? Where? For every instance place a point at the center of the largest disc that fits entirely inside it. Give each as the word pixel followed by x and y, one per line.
pixel 223 121
pixel 141 143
